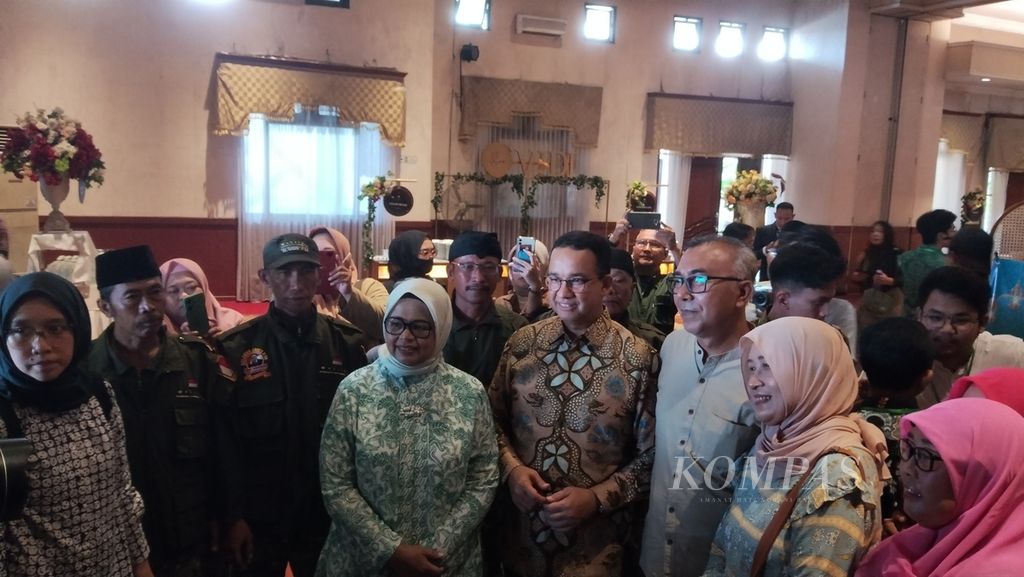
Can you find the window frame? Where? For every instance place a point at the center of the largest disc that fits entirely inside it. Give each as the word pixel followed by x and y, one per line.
pixel 785 42
pixel 485 23
pixel 742 27
pixel 699 24
pixel 329 3
pixel 611 10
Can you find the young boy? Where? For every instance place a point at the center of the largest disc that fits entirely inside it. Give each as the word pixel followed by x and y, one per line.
pixel 897 355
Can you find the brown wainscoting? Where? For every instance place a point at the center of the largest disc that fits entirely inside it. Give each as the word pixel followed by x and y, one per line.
pixel 211 242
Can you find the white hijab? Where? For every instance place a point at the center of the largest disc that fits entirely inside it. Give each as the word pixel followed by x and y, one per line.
pixel 440 307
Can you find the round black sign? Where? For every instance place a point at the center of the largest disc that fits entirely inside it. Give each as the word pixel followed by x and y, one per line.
pixel 398 202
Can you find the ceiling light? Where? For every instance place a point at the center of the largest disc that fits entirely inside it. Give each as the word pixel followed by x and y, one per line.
pixel 986 79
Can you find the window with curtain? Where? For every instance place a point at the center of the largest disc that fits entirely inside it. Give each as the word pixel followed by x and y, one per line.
pixel 303 174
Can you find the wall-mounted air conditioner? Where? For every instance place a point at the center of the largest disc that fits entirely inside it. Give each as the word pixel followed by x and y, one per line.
pixel 526 24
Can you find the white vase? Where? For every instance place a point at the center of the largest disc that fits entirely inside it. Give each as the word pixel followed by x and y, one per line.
pixel 55 194
pixel 752 213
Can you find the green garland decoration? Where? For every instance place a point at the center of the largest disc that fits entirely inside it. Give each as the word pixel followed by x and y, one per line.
pixel 372 192
pixel 527 196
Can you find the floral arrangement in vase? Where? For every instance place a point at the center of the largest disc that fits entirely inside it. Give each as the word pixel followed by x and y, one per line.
pixel 639 197
pixel 749 188
pixel 972 205
pixel 51 147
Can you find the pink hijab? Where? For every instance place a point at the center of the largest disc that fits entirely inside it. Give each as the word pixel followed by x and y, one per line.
pixel 1005 385
pixel 813 368
pixel 982 446
pixel 221 318
pixel 341 246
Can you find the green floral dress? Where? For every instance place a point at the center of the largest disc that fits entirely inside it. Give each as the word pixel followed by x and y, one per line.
pixel 406 460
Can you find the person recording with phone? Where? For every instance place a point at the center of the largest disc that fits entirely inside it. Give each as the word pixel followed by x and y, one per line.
pixel 527 267
pixel 183 278
pixel 342 293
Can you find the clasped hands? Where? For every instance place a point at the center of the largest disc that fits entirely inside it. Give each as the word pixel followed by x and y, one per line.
pixel 562 510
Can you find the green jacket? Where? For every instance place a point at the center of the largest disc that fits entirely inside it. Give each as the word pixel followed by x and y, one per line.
pixel 476 348
pixel 652 303
pixel 287 372
pixel 169 411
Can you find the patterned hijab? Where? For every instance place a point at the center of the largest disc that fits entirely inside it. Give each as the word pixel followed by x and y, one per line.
pixel 69 390
pixel 436 299
pixel 981 443
pixel 813 368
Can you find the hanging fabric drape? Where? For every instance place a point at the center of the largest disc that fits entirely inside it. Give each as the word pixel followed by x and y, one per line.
pixel 950 178
pixel 966 132
pixel 675 175
pixel 493 101
pixel 1006 143
pixel 995 197
pixel 271 86
pixel 705 126
pixel 299 176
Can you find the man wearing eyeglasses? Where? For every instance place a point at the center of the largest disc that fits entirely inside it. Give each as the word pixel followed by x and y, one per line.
pixel 167 388
pixel 652 298
pixel 573 404
pixel 288 364
pixel 704 422
pixel 955 311
pixel 479 328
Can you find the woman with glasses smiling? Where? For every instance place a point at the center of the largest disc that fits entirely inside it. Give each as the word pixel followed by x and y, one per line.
pixel 408 462
pixel 963 482
pixel 81 516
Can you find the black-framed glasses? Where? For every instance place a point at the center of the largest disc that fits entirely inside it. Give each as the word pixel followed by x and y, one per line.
pixel 22 335
pixel 651 244
pixel 576 284
pixel 924 459
pixel 935 321
pixel 696 283
pixel 419 329
pixel 486 269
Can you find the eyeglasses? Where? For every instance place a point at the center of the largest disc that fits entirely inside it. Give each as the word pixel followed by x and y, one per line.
pixel 652 244
pixel 935 321
pixel 576 284
pixel 696 283
pixel 23 335
pixel 187 289
pixel 419 329
pixel 428 252
pixel 486 269
pixel 924 459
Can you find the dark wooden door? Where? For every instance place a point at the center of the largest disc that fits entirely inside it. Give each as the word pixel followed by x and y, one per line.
pixel 703 198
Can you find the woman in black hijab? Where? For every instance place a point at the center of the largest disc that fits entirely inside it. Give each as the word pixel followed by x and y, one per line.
pixel 81 515
pixel 410 255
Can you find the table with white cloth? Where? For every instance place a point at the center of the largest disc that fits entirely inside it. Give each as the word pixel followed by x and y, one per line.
pixel 82 273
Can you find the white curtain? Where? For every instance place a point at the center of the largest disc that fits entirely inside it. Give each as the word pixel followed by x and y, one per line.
pixel 770 165
pixel 995 197
pixel 299 176
pixel 950 178
pixel 674 189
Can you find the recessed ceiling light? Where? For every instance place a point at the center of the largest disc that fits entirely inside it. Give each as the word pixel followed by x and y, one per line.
pixel 986 79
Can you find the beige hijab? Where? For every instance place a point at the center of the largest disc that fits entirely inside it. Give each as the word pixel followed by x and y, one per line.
pixel 341 246
pixel 814 370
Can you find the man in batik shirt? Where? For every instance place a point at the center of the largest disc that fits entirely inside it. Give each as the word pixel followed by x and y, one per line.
pixel 573 401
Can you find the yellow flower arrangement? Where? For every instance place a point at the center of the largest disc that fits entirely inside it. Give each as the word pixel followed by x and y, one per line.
pixel 748 188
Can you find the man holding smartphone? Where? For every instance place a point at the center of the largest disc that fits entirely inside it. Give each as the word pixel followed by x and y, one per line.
pixel 169 389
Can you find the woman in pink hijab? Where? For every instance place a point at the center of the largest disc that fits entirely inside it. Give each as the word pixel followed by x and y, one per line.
pixel 812 453
pixel 963 477
pixel 183 277
pixel 1004 384
pixel 360 301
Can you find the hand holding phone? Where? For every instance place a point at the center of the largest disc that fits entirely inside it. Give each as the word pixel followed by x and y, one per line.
pixel 328 263
pixel 526 242
pixel 195 313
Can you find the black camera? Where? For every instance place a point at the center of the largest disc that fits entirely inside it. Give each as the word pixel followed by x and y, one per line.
pixel 14 454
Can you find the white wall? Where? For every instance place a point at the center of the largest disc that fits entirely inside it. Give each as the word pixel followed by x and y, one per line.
pixel 137 74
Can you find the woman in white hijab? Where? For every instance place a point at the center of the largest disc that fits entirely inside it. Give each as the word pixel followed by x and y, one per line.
pixel 408 461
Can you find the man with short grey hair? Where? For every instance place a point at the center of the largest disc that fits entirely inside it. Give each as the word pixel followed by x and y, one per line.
pixel 704 423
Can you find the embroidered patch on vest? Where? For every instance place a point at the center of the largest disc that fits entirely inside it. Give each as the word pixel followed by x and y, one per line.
pixel 255 364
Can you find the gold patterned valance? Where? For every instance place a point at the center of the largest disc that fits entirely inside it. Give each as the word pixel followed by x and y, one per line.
pixel 495 101
pixel 272 86
pixel 1006 143
pixel 703 126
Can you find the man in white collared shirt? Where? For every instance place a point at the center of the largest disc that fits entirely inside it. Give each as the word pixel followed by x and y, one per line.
pixel 704 423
